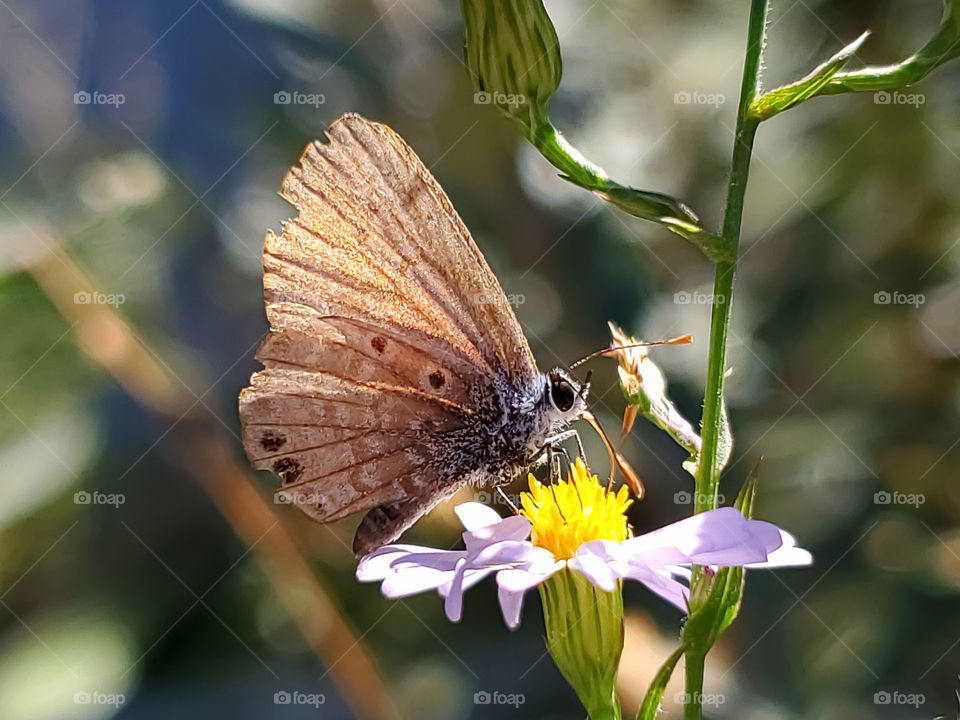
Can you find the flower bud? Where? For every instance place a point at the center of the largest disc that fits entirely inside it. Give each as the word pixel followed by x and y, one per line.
pixel 584 627
pixel 513 55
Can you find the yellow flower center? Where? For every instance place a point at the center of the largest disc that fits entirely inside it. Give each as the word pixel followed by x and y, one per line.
pixel 571 512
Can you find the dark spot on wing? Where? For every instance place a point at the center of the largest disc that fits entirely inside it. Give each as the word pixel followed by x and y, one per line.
pixel 437 380
pixel 271 442
pixel 378 343
pixel 288 469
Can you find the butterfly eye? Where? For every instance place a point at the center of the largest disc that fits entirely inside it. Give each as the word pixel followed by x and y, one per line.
pixel 562 393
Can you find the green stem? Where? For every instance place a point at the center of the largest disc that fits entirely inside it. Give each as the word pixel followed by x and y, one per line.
pixel 708 470
pixel 692 709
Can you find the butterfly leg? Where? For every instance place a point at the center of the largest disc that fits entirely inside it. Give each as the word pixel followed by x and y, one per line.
pixel 507 500
pixel 566 435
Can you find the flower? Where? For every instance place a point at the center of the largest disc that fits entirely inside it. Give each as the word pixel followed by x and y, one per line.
pixel 580 526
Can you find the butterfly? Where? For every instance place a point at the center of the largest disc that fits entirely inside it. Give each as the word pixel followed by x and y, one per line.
pixel 395 371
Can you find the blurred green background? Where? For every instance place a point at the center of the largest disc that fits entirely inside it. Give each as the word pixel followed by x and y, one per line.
pixel 140 577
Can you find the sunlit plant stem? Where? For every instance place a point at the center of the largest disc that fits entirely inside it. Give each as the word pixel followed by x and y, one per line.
pixel 708 471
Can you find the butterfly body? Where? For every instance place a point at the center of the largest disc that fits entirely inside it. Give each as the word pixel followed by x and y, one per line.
pixel 395 371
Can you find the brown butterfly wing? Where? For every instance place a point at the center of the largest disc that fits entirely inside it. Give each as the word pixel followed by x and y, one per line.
pixel 386 326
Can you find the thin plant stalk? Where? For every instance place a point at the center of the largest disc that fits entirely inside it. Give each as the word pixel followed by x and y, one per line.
pixel 708 471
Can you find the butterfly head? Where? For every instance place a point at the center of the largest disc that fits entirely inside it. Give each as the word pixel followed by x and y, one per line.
pixel 567 397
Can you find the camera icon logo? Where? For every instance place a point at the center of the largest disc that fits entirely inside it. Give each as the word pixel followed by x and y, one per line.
pixel 82 497
pixel 682 497
pixel 282 697
pixel 281 98
pixel 882 698
pixel 82 297
pixel 82 698
pixel 81 98
pixel 882 97
pixel 282 498
pixel 482 98
pixel 882 298
pixel 682 98
pixel 482 697
pixel 882 497
pixel 682 298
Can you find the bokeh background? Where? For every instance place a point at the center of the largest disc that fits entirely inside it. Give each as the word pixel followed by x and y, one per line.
pixel 146 572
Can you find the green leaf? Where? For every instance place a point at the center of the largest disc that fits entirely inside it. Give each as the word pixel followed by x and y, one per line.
pixel 651 701
pixel 788 96
pixel 942 47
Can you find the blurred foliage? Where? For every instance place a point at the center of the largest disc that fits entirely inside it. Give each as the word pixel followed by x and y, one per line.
pixel 164 200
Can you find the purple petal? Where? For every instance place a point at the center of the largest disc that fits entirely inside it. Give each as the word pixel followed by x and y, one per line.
pixel 787 555
pixel 722 537
pixel 476 515
pixel 376 565
pixel 488 559
pixel 511 604
pixel 453 602
pixel 445 560
pixel 596 561
pixel 513 583
pixel 662 584
pixel 515 527
pixel 413 579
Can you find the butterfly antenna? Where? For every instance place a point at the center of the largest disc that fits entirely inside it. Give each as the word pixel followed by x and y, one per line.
pixel 585 388
pixel 681 340
pixel 617 461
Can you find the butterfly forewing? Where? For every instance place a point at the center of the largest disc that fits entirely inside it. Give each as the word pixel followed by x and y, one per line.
pixel 387 328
